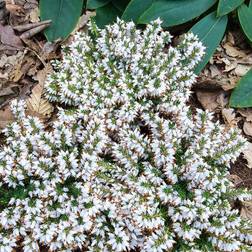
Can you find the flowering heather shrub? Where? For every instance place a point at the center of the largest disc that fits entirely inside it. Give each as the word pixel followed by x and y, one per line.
pixel 126 166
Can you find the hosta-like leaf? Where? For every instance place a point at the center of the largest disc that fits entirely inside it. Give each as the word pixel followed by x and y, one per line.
pixel 175 12
pixel 64 15
pixel 135 9
pixel 210 31
pixel 120 5
pixel 226 6
pixel 245 18
pixel 242 95
pixel 94 4
pixel 106 15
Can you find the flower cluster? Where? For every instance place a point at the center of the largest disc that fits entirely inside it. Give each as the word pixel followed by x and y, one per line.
pixel 126 166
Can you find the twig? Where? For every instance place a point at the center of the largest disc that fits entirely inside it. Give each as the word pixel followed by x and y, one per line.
pixel 32 32
pixel 26 27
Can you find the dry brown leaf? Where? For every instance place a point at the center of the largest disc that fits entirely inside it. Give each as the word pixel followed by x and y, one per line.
pixel 217 83
pixel 37 105
pixel 49 51
pixel 9 38
pixel 241 70
pixel 17 72
pixel 233 51
pixel 9 90
pixel 246 210
pixel 6 117
pixel 230 38
pixel 3 11
pixel 14 9
pixel 231 66
pixel 9 65
pixel 212 100
pixel 247 128
pixel 248 155
pixel 83 21
pixel 232 60
pixel 230 83
pixel 214 71
pixel 81 26
pixel 6 61
pixel 15 67
pixel 34 15
pixel 235 179
pixel 225 61
pixel 229 117
pixel 247 60
pixel 247 113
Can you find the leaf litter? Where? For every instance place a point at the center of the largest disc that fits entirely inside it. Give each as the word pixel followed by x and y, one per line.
pixel 231 61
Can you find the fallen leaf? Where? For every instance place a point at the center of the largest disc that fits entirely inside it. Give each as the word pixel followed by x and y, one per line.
pixel 9 90
pixel 214 71
pixel 49 51
pixel 225 61
pixel 230 38
pixel 233 51
pixel 229 83
pixel 247 113
pixel 248 155
pixel 37 105
pixel 15 9
pixel 231 66
pixel 235 179
pixel 83 21
pixel 212 100
pixel 246 60
pixel 9 64
pixel 34 15
pixel 6 61
pixel 241 70
pixel 6 117
pixel 9 38
pixel 3 11
pixel 247 128
pixel 229 116
pixel 246 210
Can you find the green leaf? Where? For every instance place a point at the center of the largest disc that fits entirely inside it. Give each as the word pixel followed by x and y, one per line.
pixel 210 31
pixel 135 9
pixel 64 15
pixel 120 5
pixel 106 15
pixel 245 18
pixel 226 6
pixel 94 4
pixel 242 95
pixel 175 12
pixel 250 5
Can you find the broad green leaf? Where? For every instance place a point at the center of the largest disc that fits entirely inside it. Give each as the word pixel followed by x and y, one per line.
pixel 135 9
pixel 121 4
pixel 175 12
pixel 242 95
pixel 250 5
pixel 94 4
pixel 245 18
pixel 226 6
pixel 106 15
pixel 210 31
pixel 64 15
